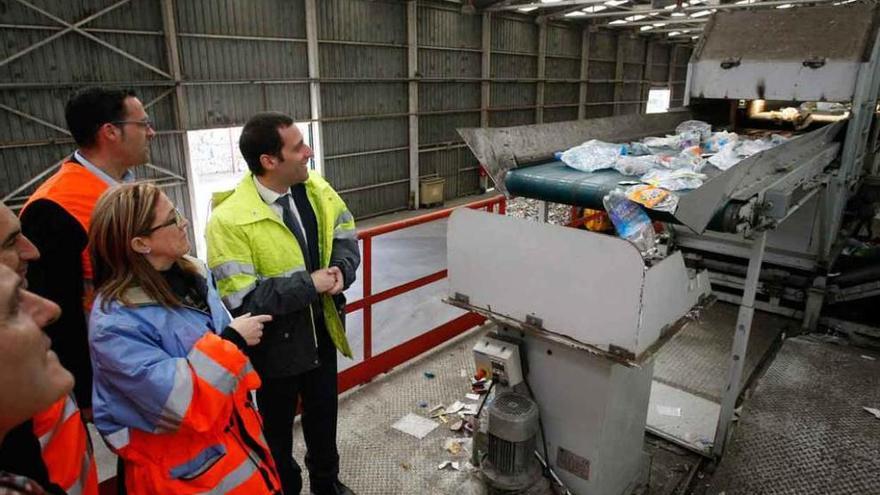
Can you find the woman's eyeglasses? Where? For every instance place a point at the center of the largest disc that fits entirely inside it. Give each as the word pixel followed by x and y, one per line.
pixel 177 221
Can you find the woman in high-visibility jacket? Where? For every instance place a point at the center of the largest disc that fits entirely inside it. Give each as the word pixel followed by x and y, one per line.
pixel 171 381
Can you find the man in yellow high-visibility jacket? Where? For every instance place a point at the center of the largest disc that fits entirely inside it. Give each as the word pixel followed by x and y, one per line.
pixel 284 243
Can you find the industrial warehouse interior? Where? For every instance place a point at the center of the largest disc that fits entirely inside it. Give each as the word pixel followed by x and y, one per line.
pixel 567 247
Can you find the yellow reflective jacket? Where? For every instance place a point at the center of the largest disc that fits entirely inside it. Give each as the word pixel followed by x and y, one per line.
pixel 260 268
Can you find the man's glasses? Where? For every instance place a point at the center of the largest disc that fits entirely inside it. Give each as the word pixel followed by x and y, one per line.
pixel 143 123
pixel 177 221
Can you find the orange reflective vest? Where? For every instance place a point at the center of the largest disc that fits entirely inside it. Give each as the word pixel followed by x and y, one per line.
pixel 65 443
pixel 75 189
pixel 172 398
pixel 66 448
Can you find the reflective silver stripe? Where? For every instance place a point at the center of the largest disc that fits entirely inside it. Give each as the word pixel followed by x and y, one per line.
pixel 69 410
pixel 179 399
pixel 232 268
pixel 236 299
pixel 300 268
pixel 77 487
pixel 343 217
pixel 248 367
pixel 233 480
pixel 118 439
pixel 209 370
pixel 344 234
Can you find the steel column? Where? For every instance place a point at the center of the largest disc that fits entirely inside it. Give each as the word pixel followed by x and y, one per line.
pixel 485 88
pixel 413 69
pixel 172 48
pixel 740 342
pixel 314 85
pixel 618 72
pixel 542 67
pixel 585 71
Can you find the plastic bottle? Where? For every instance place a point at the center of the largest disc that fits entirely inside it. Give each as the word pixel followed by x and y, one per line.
pixel 631 222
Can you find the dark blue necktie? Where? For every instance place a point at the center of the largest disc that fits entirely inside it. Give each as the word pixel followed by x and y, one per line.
pixel 294 228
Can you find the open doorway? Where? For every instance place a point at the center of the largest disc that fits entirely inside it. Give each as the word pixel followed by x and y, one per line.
pixel 217 165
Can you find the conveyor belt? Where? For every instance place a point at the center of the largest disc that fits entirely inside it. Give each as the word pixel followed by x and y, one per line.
pixel 558 183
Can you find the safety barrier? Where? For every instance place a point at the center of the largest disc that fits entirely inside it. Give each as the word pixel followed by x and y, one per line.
pixel 373 366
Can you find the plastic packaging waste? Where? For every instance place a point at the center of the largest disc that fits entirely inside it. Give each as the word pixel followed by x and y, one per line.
pixel 726 157
pixel 663 145
pixel 690 158
pixel 674 180
pixel 636 165
pixel 698 126
pixel 653 197
pixel 592 155
pixel 719 140
pixel 638 149
pixel 750 147
pixel 631 222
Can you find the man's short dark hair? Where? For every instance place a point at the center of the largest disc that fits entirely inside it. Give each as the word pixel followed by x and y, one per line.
pixel 92 107
pixel 260 136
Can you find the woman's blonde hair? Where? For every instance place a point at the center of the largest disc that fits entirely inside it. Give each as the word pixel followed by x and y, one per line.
pixel 122 213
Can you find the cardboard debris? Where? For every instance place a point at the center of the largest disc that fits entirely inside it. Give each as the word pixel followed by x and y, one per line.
pixel 456 426
pixel 415 425
pixel 473 396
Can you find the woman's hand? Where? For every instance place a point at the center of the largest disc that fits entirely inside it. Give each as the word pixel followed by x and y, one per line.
pixel 250 327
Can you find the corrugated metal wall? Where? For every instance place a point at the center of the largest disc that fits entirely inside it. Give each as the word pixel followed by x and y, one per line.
pixel 237 58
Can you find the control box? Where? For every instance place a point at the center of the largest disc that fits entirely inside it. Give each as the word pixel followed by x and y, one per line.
pixel 499 361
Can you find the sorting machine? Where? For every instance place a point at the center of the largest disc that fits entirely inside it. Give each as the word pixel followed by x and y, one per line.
pixel 585 309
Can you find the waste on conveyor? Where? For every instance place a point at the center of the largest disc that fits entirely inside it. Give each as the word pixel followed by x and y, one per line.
pixel 658 168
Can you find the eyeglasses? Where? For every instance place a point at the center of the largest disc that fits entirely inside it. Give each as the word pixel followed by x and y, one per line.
pixel 177 221
pixel 147 122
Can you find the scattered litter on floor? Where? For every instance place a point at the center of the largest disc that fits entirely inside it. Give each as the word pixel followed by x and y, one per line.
pixel 457 425
pixel 415 425
pixel 869 358
pixel 406 466
pixel 669 411
pixel 445 464
pixel 473 396
pixel 455 407
pixel 462 373
pixel 437 410
pixel 875 412
pixel 456 446
pixel 429 375
pixel 423 404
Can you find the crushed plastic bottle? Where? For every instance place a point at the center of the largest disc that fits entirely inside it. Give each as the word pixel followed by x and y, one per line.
pixel 636 165
pixel 630 221
pixel 592 155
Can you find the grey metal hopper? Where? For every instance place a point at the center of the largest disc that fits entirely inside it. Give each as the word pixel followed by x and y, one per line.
pixel 773 54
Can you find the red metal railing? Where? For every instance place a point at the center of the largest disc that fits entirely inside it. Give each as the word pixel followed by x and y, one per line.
pixel 372 365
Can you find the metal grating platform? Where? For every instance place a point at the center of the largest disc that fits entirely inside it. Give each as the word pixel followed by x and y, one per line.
pixel 696 360
pixel 804 431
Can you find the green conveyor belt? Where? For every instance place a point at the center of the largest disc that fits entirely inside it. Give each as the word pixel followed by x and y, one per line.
pixel 557 183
